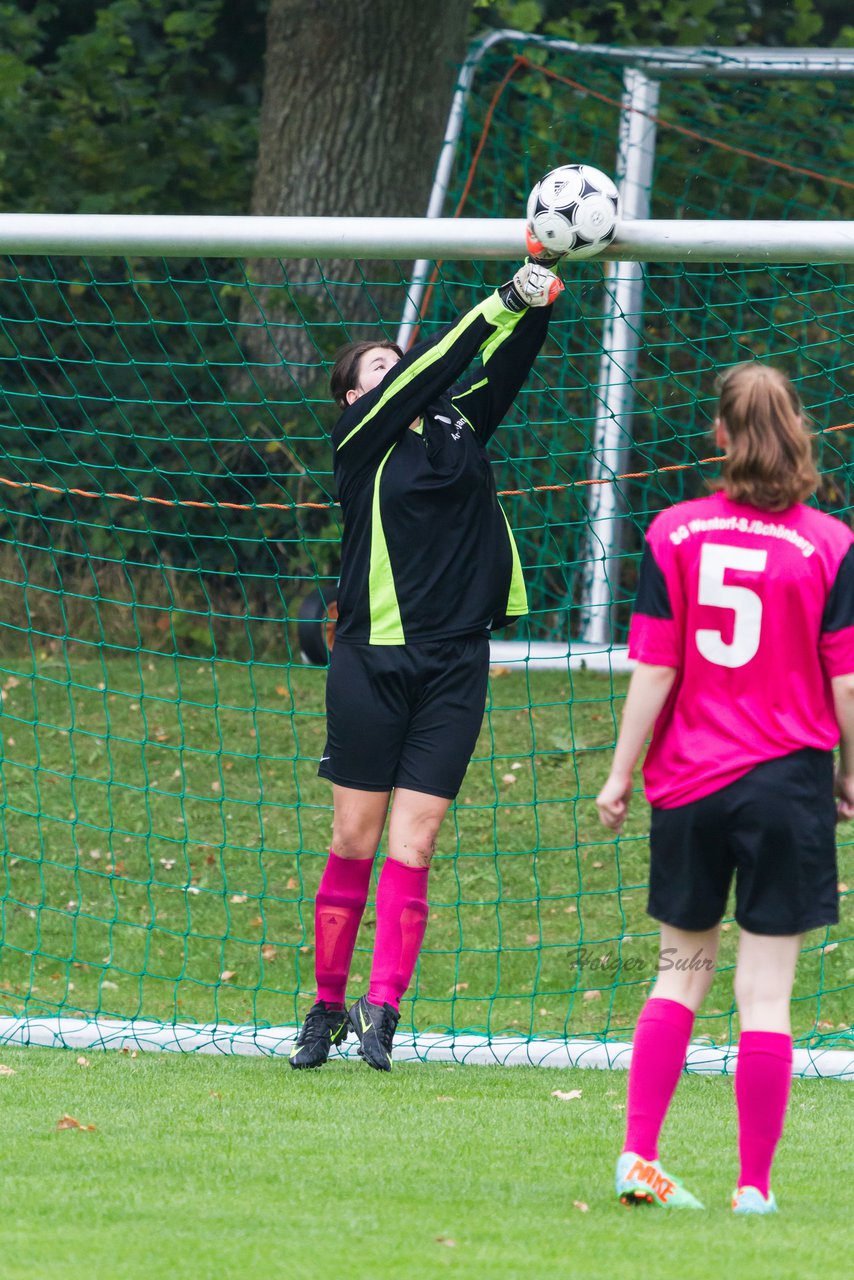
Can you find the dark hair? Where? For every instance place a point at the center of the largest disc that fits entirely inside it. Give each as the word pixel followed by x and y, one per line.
pixel 769 462
pixel 345 371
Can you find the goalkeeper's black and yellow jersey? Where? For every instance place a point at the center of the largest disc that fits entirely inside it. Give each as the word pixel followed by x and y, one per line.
pixel 427 551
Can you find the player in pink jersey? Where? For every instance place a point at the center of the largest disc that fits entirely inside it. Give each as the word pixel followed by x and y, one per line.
pixel 743 632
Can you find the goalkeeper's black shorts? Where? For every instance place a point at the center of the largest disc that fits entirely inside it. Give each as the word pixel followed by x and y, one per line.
pixel 774 830
pixel 405 715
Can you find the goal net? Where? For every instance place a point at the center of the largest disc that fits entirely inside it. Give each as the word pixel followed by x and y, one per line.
pixel 169 549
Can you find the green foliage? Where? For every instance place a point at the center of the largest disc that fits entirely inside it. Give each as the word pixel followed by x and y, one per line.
pixel 129 106
pixel 167 380
pixel 707 23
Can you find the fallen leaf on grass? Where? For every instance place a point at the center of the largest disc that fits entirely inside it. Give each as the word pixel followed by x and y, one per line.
pixel 214 1094
pixel 268 952
pixel 566 1096
pixel 6 1071
pixel 68 1122
pixel 447 1241
pixel 227 975
pixel 83 1062
pixel 592 995
pixel 444 1097
pixel 580 1205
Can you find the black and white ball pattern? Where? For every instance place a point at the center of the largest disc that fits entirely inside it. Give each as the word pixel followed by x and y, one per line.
pixel 575 210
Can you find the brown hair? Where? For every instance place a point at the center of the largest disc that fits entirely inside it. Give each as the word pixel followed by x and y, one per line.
pixel 345 371
pixel 769 461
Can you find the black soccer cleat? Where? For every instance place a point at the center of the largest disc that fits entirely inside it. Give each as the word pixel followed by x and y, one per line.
pixel 375 1025
pixel 324 1025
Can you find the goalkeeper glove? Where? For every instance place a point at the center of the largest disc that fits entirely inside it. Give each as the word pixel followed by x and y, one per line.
pixel 533 285
pixel 538 252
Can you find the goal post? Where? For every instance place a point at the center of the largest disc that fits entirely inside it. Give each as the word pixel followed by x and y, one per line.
pixel 167 506
pixel 643 81
pixel 717 241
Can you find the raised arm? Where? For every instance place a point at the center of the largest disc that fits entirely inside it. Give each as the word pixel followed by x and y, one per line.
pixel 369 427
pixel 485 398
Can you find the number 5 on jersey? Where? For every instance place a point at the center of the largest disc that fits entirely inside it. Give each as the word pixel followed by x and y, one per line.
pixel 745 604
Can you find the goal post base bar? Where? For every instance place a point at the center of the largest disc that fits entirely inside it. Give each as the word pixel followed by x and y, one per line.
pixel 545 655
pixel 507 1051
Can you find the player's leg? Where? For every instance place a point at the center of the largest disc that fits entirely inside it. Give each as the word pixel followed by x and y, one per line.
pixel 357 827
pixel 764 976
pixel 785 885
pixel 440 739
pixel 359 817
pixel 366 719
pixel 401 909
pixel 690 872
pixel 686 968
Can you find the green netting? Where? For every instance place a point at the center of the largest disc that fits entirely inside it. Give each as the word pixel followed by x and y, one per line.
pixel 168 507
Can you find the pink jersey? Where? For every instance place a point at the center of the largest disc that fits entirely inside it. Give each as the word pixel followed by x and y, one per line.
pixel 756 611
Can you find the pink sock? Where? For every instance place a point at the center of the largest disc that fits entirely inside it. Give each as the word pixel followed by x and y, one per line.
pixel 658 1056
pixel 401 921
pixel 763 1076
pixel 338 908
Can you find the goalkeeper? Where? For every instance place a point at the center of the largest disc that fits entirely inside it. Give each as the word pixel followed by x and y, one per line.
pixel 744 634
pixel 428 568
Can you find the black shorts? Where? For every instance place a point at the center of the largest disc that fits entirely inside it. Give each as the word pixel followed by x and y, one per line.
pixel 774 829
pixel 404 715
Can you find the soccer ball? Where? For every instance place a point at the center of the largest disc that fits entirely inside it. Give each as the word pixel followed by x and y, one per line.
pixel 574 209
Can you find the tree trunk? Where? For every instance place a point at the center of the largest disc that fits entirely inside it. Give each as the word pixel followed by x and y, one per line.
pixel 356 95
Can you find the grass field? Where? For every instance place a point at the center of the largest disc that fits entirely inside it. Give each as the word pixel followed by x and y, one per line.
pixel 215 1168
pixel 166 830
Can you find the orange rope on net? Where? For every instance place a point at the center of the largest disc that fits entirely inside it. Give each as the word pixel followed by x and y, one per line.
pixel 325 506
